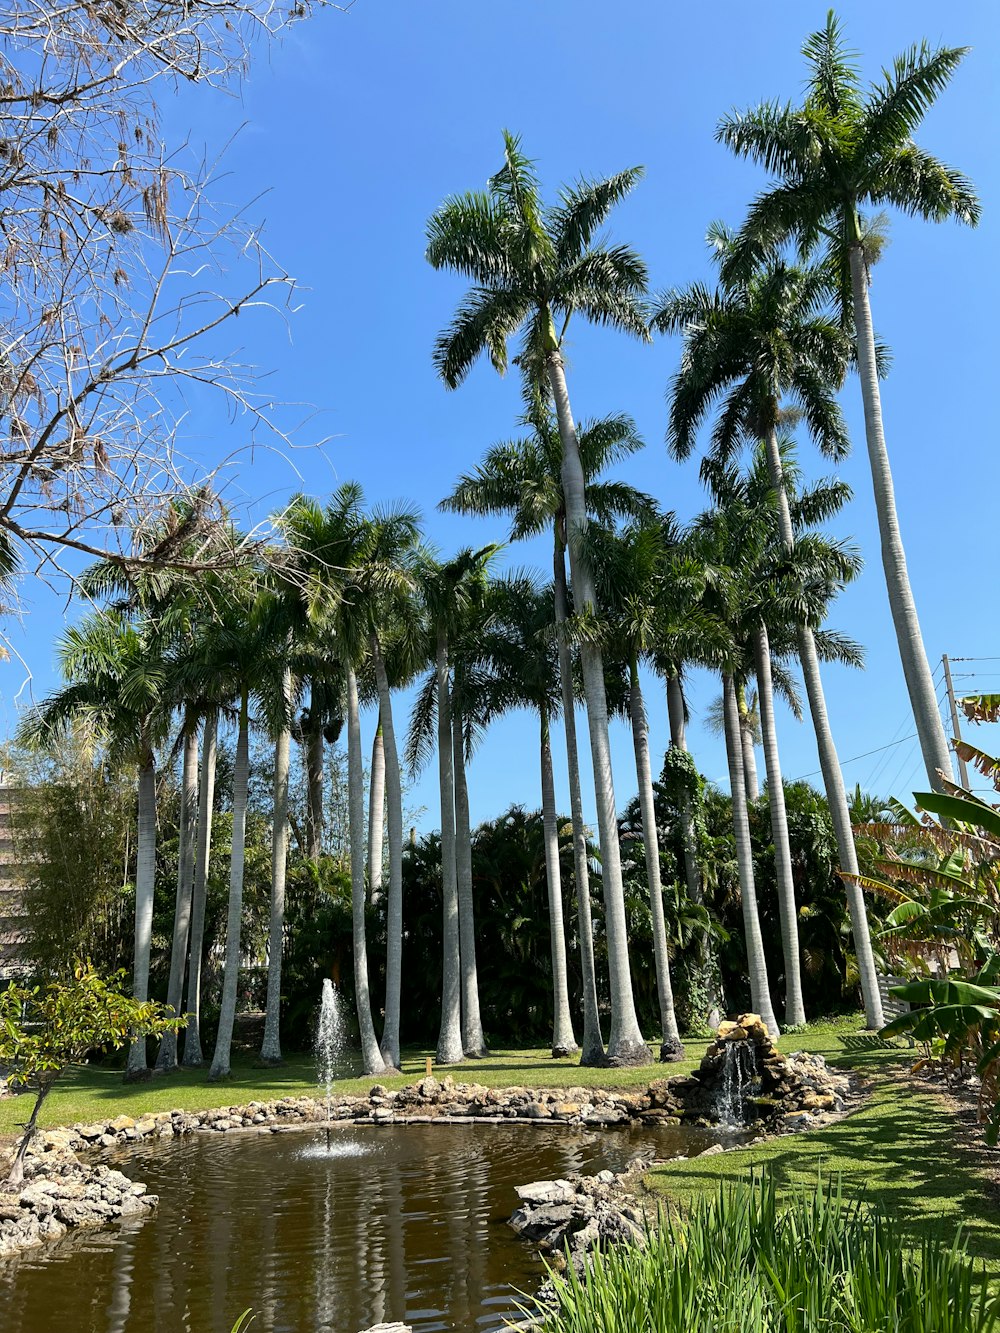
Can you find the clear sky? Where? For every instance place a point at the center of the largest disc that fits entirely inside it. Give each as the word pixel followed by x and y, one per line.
pixel 354 129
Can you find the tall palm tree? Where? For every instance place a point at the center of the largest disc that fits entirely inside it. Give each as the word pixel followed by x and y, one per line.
pixel 166 1058
pixel 760 994
pixel 845 149
pixel 646 597
pixel 116 670
pixel 532 268
pixel 193 1056
pixel 388 583
pixel 270 1050
pixel 450 591
pixel 329 545
pixel 241 657
pixel 522 662
pixel 522 478
pixel 757 338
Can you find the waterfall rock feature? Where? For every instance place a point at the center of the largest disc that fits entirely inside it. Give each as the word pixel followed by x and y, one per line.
pixel 744 1078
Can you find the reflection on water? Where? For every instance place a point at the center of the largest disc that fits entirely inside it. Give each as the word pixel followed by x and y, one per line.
pixel 404 1223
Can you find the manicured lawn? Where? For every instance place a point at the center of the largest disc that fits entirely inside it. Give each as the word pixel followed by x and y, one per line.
pixel 899 1150
pixel 98 1093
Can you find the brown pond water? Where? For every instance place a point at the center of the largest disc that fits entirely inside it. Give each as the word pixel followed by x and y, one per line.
pixel 404 1222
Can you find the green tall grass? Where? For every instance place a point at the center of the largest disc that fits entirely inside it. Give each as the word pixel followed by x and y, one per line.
pixel 742 1262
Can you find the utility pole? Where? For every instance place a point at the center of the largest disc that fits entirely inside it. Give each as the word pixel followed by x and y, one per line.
pixel 962 767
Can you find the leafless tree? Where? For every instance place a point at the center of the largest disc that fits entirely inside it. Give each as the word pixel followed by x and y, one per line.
pixel 116 267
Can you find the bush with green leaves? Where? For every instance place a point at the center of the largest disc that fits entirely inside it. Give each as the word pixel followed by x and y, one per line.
pixel 746 1261
pixel 46 1029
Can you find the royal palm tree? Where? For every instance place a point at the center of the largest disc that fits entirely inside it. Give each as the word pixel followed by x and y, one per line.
pixel 522 662
pixel 330 545
pixel 845 149
pixel 646 596
pixel 757 339
pixel 532 268
pixel 241 657
pixel 450 591
pixel 384 598
pixel 522 479
pixel 116 669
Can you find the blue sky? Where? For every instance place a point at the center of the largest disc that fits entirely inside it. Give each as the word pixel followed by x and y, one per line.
pixel 354 129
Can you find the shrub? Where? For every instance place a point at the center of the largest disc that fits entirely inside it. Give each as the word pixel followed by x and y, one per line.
pixel 743 1262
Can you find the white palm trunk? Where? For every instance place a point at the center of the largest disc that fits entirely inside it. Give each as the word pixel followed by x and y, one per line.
pixel 592 1051
pixel 370 1053
pixel 220 1067
pixel 916 670
pixel 750 784
pixel 145 878
pixel 193 1056
pixel 671 1047
pixel 760 994
pixel 314 780
pixel 678 739
pixel 166 1058
pixel 563 1038
pixel 626 1044
pixel 449 1047
pixel 376 816
pixel 692 875
pixel 473 1041
pixel 795 1013
pixel 394 824
pixel 270 1048
pixel 833 778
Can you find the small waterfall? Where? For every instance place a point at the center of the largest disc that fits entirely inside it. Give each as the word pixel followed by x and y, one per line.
pixel 737 1085
pixel 330 1039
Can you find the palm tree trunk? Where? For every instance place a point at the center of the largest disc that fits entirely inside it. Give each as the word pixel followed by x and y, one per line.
pixel 193 1056
pixel 145 878
pixel 671 1047
pixel 473 1041
pixel 625 1041
pixel 750 783
pixel 314 777
pixel 916 670
pixel 394 821
pixel 592 1051
pixel 760 996
pixel 234 917
pixel 370 1054
pixel 833 778
pixel 678 739
pixel 270 1049
pixel 795 1013
pixel 689 842
pixel 166 1058
pixel 449 1047
pixel 563 1038
pixel 376 816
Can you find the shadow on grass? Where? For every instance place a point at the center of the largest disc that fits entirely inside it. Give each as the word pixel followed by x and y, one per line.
pixel 899 1151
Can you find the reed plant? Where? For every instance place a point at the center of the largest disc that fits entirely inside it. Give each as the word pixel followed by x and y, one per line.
pixel 745 1261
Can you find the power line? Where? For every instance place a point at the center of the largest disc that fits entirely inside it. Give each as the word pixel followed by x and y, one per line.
pixel 855 757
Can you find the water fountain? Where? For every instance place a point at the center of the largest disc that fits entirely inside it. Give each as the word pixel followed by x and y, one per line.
pixel 330 1038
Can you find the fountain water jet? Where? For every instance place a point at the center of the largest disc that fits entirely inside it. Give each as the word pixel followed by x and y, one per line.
pixel 330 1037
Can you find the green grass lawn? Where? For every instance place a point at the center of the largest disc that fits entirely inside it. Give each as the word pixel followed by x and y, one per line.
pixel 96 1093
pixel 899 1150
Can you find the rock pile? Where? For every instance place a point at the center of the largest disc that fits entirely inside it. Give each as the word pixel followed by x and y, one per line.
pixel 59 1193
pixel 788 1092
pixel 582 1212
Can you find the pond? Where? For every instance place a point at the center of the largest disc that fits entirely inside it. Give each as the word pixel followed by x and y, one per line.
pixel 397 1223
